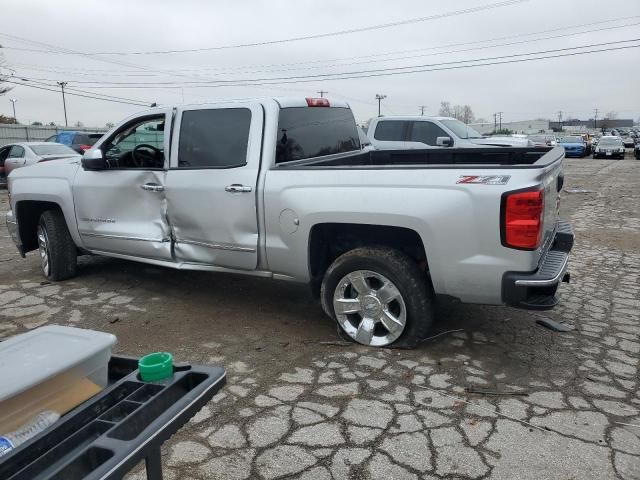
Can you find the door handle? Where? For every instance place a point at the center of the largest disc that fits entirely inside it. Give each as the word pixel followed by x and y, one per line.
pixel 152 187
pixel 237 188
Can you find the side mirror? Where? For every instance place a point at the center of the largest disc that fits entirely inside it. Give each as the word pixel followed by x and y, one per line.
pixel 93 160
pixel 444 141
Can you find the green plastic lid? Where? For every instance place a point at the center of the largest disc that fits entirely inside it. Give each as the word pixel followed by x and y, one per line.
pixel 156 366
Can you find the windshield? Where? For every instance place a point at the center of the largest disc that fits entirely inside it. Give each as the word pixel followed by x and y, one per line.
pixel 53 149
pixel 571 140
pixel 460 129
pixel 610 141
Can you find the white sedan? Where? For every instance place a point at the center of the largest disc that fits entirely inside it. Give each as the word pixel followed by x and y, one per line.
pixel 19 155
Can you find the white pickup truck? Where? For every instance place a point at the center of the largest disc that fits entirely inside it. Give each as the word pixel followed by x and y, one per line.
pixel 432 132
pixel 282 188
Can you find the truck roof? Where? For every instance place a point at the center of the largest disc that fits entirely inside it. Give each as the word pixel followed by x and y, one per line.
pixel 412 117
pixel 283 102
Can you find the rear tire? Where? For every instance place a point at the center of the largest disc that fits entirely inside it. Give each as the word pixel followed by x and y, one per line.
pixel 58 253
pixel 381 296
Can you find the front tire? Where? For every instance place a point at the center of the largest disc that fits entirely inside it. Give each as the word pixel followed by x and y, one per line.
pixel 58 254
pixel 379 297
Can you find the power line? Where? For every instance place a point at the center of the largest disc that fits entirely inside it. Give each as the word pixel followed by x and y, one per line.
pixel 402 58
pixel 73 89
pixel 326 34
pixel 375 72
pixel 458 67
pixel 98 59
pixel 378 54
pixel 77 94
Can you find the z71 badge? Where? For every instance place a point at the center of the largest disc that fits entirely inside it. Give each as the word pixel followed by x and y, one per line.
pixel 485 179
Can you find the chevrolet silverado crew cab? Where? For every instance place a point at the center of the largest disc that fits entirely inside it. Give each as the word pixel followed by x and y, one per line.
pixel 426 132
pixel 282 188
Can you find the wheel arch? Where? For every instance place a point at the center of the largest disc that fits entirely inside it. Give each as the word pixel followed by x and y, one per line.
pixel 327 241
pixel 28 214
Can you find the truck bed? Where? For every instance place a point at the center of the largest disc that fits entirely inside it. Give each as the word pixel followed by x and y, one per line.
pixel 498 157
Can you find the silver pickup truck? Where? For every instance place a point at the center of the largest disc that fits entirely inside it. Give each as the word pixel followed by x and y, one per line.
pixel 281 188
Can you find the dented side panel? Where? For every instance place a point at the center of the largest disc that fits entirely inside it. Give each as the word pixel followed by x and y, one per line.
pixel 212 211
pixel 115 214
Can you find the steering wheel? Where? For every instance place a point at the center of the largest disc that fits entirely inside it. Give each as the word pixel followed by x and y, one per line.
pixel 139 157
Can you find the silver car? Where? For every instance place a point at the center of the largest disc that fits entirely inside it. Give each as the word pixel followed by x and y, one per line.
pixel 19 155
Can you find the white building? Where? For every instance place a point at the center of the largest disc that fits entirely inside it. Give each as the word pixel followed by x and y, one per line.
pixel 525 126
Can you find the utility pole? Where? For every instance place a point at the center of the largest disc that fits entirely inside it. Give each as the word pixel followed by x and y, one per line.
pixel 500 117
pixel 560 119
pixel 422 107
pixel 64 103
pixel 595 119
pixel 322 92
pixel 495 122
pixel 13 104
pixel 380 97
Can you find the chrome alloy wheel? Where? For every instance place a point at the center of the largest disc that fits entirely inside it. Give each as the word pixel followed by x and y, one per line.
pixel 43 248
pixel 369 308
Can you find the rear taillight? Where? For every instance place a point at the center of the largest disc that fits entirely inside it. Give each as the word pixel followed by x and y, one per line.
pixel 317 102
pixel 522 217
pixel 84 148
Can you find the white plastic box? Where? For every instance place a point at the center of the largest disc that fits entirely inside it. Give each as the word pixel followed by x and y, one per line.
pixel 50 368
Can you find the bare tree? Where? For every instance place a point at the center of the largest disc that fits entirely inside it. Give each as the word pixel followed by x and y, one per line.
pixel 464 113
pixel 611 115
pixel 458 112
pixel 7 120
pixel 445 109
pixel 467 115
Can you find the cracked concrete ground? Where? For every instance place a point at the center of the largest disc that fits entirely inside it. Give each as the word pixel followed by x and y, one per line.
pixel 569 403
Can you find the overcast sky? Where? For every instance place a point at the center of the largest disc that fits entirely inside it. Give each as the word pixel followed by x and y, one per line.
pixel 576 85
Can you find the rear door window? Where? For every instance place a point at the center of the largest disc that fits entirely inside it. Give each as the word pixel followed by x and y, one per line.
pixel 214 138
pixel 390 130
pixel 308 132
pixel 16 152
pixel 426 132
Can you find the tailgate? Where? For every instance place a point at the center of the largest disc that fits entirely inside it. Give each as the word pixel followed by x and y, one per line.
pixel 552 180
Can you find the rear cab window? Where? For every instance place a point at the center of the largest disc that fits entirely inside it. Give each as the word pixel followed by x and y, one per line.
pixel 308 132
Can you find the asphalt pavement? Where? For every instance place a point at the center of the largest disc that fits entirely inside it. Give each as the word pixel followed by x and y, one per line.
pixel 491 395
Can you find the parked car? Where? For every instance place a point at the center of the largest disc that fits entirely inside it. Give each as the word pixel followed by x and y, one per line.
pixel 281 188
pixel 609 147
pixel 20 155
pixel 78 141
pixel 574 146
pixel 543 140
pixel 636 151
pixel 417 132
pixel 588 142
pixel 628 142
pixel 4 151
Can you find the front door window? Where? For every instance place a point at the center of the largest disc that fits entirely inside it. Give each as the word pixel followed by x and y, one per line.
pixel 139 145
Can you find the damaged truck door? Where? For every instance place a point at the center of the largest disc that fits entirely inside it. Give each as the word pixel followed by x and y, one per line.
pixel 211 185
pixel 120 200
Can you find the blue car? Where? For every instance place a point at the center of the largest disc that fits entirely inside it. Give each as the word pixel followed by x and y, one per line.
pixel 574 146
pixel 79 141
